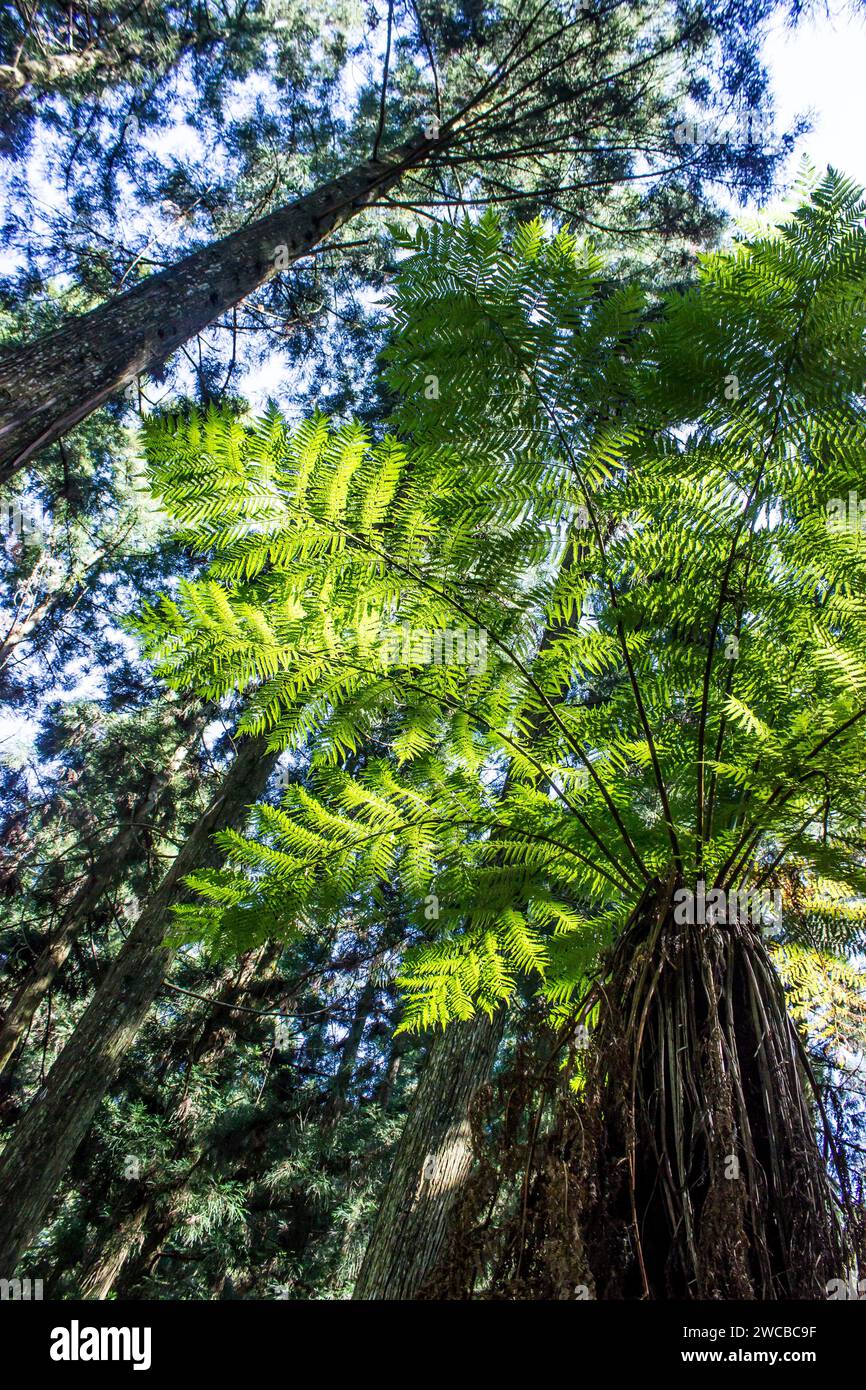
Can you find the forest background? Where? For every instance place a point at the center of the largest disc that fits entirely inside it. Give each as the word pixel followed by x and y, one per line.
pixel 239 1139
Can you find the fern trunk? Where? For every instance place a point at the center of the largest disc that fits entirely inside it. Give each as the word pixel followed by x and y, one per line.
pixel 698 1132
pixel 46 1139
pixel 432 1163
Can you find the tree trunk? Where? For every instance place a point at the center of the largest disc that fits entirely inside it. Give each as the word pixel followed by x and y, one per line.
pixel 384 1093
pixel 25 621
pixel 122 58
pixel 125 1237
pixel 149 1218
pixel 434 1156
pixel 49 1134
pixel 364 1006
pixel 432 1163
pixel 696 1154
pixel 49 72
pixel 48 385
pixel 99 878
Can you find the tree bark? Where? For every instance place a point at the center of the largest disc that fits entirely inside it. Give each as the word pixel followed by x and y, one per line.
pixel 149 1218
pixel 125 1238
pixel 351 1047
pixel 49 1134
pixel 49 384
pixel 432 1163
pixel 434 1156
pixel 103 873
pixel 698 1173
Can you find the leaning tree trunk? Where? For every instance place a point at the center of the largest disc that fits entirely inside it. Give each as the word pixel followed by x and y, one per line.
pixel 121 1242
pixel 364 1006
pixel 48 72
pixel 434 1157
pixel 695 1144
pixel 48 385
pixel 46 1139
pixel 103 874
pixel 149 1216
pixel 433 1161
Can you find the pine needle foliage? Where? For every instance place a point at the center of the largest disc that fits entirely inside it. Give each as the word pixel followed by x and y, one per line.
pixel 624 520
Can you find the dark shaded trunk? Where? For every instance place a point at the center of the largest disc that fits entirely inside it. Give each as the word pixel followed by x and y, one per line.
pixel 100 877
pixel 433 1161
pixel 364 1006
pixel 48 385
pixel 696 1143
pixel 49 1134
pixel 149 1217
pixel 384 1093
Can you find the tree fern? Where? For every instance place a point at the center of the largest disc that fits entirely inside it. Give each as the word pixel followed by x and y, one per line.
pixel 631 505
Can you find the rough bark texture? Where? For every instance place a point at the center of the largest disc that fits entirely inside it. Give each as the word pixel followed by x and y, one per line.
pixel 49 1134
pixel 48 385
pixel 698 1166
pixel 433 1161
pixel 98 879
pixel 126 1237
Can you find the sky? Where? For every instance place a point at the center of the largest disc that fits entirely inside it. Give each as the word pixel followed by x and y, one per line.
pixel 820 70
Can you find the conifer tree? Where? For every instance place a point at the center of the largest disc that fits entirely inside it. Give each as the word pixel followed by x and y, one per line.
pixel 526 120
pixel 36 1156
